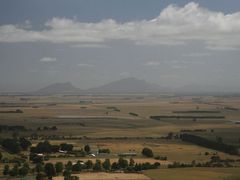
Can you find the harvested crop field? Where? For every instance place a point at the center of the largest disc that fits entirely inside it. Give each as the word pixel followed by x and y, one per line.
pixel 109 176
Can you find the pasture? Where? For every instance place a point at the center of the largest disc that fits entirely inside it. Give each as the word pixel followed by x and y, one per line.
pixel 123 124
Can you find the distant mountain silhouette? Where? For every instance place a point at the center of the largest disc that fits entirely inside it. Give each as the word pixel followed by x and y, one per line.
pixel 205 89
pixel 132 85
pixel 58 88
pixel 128 85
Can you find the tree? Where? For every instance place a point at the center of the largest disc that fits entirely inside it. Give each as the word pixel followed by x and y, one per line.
pixel 122 163
pixel 219 140
pixel 104 151
pixel 26 165
pixel 6 170
pixel 106 164
pixel 131 163
pixel 11 145
pixel 1 156
pixel 23 171
pixel 24 143
pixel 114 166
pixel 50 170
pixel 87 148
pixel 66 147
pixel 35 158
pixel 67 174
pixel 146 166
pixel 170 135
pixel 68 166
pixel 77 167
pixel 138 167
pixel 14 171
pixel 59 167
pixel 89 164
pixel 147 152
pixel 40 176
pixel 156 165
pixel 72 178
pixel 54 128
pixel 98 165
pixel 44 147
pixel 39 167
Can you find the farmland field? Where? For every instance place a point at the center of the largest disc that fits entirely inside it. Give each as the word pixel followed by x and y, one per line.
pixel 125 124
pixel 195 173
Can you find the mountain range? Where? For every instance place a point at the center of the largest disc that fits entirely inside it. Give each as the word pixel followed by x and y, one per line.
pixel 127 85
pixel 132 85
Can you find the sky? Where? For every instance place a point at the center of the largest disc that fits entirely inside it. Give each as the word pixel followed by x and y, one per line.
pixel 89 43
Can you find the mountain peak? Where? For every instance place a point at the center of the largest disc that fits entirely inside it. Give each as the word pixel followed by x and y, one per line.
pixel 59 88
pixel 127 85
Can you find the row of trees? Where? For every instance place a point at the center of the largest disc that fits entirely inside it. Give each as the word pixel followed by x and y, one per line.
pixel 217 145
pixel 106 165
pixel 49 169
pixel 45 128
pixel 12 128
pixel 46 147
pixel 16 170
pixel 15 145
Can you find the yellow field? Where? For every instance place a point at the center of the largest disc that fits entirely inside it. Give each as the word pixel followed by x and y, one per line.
pixel 194 173
pixel 90 118
pixel 174 150
pixel 108 176
pixel 67 113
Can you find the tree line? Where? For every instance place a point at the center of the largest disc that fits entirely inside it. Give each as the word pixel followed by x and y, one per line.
pixel 216 145
pixel 50 170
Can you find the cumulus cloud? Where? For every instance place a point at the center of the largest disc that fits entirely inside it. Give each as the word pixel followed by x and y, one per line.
pixel 174 26
pixel 48 59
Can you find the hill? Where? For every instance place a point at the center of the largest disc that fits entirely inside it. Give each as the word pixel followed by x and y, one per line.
pixel 128 85
pixel 58 88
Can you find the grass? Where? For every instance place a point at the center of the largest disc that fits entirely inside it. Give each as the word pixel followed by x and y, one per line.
pixel 194 173
pixel 232 178
pixel 102 118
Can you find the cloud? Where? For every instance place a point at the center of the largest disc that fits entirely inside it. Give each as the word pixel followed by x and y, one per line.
pixel 179 67
pixel 85 65
pixel 174 26
pixel 152 63
pixel 221 48
pixel 196 54
pixel 125 74
pixel 48 59
pixel 89 45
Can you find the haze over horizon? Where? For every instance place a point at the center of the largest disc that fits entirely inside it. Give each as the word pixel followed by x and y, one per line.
pixel 91 43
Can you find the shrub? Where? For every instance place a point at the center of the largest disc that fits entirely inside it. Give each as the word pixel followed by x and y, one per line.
pixel 147 152
pixel 104 151
pixel 87 148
